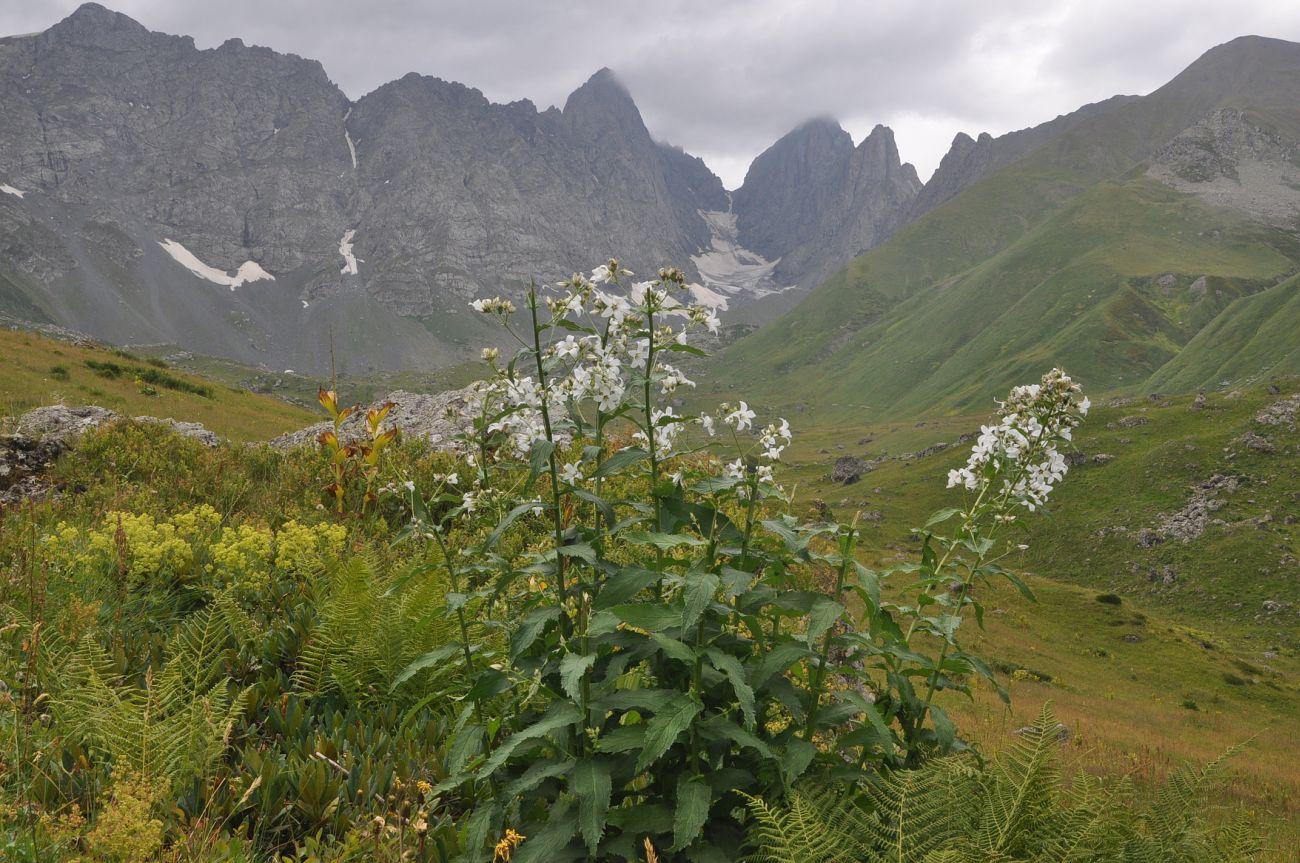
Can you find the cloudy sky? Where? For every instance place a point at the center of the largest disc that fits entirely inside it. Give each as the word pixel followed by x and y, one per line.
pixel 725 78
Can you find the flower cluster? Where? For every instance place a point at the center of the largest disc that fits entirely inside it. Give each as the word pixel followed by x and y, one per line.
pixel 1018 458
pixel 607 347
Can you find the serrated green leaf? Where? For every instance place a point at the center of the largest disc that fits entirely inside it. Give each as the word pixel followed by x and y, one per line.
pixel 619 460
pixel 561 714
pixel 673 648
pixel 537 773
pixel 778 659
pixel 942 516
pixel 722 728
pixel 592 785
pixel 625 584
pixel 822 617
pixel 466 743
pixel 581 550
pixel 539 458
pixel 432 658
pixel 653 618
pixel 701 588
pixel 499 531
pixel 572 667
pixel 665 727
pixel 523 637
pixel 547 844
pixel 665 541
pixel 798 755
pixel 944 729
pixel 735 673
pixel 693 799
pixel 603 506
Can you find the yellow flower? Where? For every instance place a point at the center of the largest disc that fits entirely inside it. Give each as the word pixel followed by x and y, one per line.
pixel 507 845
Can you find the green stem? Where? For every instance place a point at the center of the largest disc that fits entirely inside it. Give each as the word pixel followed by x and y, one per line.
pixel 847 547
pixel 557 520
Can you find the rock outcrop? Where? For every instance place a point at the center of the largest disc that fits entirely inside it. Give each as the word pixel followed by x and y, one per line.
pixel 45 433
pixel 815 201
pixel 436 419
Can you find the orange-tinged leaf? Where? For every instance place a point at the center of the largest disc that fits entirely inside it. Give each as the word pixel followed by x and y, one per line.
pixel 329 400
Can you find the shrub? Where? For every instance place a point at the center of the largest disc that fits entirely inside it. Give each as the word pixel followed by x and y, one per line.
pixel 667 658
pixel 1110 599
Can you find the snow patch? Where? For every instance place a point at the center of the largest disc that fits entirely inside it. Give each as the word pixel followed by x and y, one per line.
pixel 349 259
pixel 249 271
pixel 705 297
pixel 352 148
pixel 304 304
pixel 10 190
pixel 728 269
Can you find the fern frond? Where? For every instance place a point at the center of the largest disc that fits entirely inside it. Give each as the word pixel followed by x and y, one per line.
pixel 791 834
pixel 1021 789
pixel 917 812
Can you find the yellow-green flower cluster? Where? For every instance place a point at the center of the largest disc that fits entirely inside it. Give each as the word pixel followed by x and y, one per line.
pixel 245 555
pixel 193 541
pixel 140 544
pixel 299 548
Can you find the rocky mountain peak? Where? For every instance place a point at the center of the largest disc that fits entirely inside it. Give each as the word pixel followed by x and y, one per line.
pixel 815 201
pixel 93 24
pixel 601 105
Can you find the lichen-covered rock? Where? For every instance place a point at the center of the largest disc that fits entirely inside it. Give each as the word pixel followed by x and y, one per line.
pixel 63 423
pixel 24 462
pixel 1280 413
pixel 436 419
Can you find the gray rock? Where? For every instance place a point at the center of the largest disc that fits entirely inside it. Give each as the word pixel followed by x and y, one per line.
pixel 185 429
pixel 1257 443
pixel 1191 521
pixel 435 419
pixel 24 463
pixel 849 469
pixel 815 202
pixel 63 423
pixel 1280 413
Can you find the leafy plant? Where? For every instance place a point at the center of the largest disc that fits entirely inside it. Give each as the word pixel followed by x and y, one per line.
pixel 357 461
pixel 1014 809
pixel 667 657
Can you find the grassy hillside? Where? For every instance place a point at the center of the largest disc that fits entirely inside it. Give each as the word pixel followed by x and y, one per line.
pixel 1067 256
pixel 35 371
pixel 1184 658
pixel 1154 456
pixel 1114 287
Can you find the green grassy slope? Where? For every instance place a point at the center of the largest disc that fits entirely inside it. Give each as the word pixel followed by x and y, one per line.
pixel 1083 290
pixel 1053 259
pixel 35 371
pixel 1187 659
pixel 1249 552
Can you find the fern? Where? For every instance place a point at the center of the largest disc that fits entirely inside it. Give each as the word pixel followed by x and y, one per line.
pixel 173 727
pixel 371 624
pixel 1014 811
pixel 1021 789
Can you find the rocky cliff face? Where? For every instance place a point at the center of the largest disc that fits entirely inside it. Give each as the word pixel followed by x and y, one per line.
pixel 236 202
pixel 969 159
pixel 814 201
pixel 1229 160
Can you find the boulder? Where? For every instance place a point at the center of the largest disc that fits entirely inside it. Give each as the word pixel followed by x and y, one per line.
pixel 62 422
pixel 436 419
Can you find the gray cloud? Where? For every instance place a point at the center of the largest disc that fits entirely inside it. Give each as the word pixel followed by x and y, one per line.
pixel 724 79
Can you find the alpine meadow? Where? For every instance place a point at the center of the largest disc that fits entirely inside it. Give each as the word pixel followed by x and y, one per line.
pixel 407 474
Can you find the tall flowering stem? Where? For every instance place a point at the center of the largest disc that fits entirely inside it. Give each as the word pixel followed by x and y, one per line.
pixel 557 519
